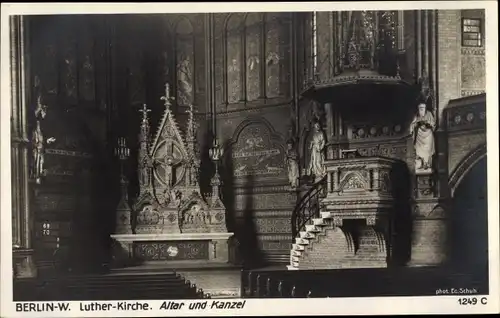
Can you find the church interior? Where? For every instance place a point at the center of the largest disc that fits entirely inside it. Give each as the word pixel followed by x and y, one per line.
pixel 248 154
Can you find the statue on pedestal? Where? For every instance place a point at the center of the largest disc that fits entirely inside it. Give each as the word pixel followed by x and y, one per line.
pixel 422 129
pixel 145 172
pixel 317 145
pixel 38 143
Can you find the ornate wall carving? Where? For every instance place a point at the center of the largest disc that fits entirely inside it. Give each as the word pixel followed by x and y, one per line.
pixel 468 117
pixel 367 131
pixel 397 150
pixel 179 250
pixel 473 71
pixel 256 152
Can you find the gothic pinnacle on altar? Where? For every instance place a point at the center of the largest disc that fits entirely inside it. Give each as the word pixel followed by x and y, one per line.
pixel 215 154
pixel 145 162
pixel 167 98
pixel 123 210
pixel 144 133
pixel 191 147
pixel 191 131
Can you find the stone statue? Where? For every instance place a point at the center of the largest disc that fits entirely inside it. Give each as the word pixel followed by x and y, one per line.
pixel 145 172
pixel 38 143
pixel 316 164
pixel 422 129
pixel 169 171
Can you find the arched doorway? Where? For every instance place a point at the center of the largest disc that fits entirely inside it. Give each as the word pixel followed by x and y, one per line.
pixel 469 217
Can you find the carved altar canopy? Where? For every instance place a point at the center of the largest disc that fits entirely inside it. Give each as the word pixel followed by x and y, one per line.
pixel 170 200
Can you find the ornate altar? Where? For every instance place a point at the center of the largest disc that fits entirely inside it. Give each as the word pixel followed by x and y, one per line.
pixel 171 220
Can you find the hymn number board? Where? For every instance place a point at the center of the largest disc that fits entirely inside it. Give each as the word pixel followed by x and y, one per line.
pixel 51 234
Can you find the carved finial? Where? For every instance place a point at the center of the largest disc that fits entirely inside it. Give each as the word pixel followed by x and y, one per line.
pixel 167 97
pixel 191 122
pixel 144 112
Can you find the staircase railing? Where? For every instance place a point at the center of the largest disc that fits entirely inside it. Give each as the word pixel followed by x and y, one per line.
pixel 308 207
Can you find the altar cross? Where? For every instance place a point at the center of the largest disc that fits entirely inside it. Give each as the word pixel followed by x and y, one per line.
pixel 170 162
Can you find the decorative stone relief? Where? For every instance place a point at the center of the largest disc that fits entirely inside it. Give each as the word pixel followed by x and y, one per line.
pixel 366 131
pixel 256 153
pixel 466 117
pixel 473 71
pixel 387 150
pixel 196 250
pixel 353 181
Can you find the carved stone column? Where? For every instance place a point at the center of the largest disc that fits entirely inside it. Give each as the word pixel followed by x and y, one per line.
pixel 22 220
pixel 430 233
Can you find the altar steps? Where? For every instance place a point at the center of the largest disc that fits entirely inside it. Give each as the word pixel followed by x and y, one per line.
pixel 107 287
pixel 221 280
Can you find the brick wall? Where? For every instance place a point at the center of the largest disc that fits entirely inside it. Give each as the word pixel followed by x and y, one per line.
pixel 449 57
pixel 473 74
pixel 461 145
pixel 336 249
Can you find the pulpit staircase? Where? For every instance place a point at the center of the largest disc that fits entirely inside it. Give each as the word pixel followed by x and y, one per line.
pixel 307 222
pixel 344 219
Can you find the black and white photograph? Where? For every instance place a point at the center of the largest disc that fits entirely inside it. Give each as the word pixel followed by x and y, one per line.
pixel 204 159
